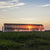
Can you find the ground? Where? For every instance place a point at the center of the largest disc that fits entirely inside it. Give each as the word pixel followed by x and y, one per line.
pixel 25 40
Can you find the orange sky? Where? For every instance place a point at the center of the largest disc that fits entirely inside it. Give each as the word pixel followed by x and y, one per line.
pixel 47 26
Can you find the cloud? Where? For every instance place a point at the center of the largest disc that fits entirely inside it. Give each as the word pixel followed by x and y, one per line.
pixel 4 10
pixel 13 0
pixel 9 0
pixel 5 4
pixel 45 5
pixel 20 4
pixel 9 4
pixel 27 18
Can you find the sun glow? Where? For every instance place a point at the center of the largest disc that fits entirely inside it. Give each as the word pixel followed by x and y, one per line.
pixel 29 26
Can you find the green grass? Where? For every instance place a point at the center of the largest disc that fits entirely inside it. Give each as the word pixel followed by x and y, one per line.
pixel 24 40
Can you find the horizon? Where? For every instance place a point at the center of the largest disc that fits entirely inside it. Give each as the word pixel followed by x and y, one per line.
pixel 25 11
pixel 22 23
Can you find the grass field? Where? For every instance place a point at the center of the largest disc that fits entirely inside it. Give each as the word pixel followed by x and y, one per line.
pixel 24 40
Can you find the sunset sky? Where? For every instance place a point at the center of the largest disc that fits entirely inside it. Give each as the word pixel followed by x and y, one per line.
pixel 25 11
